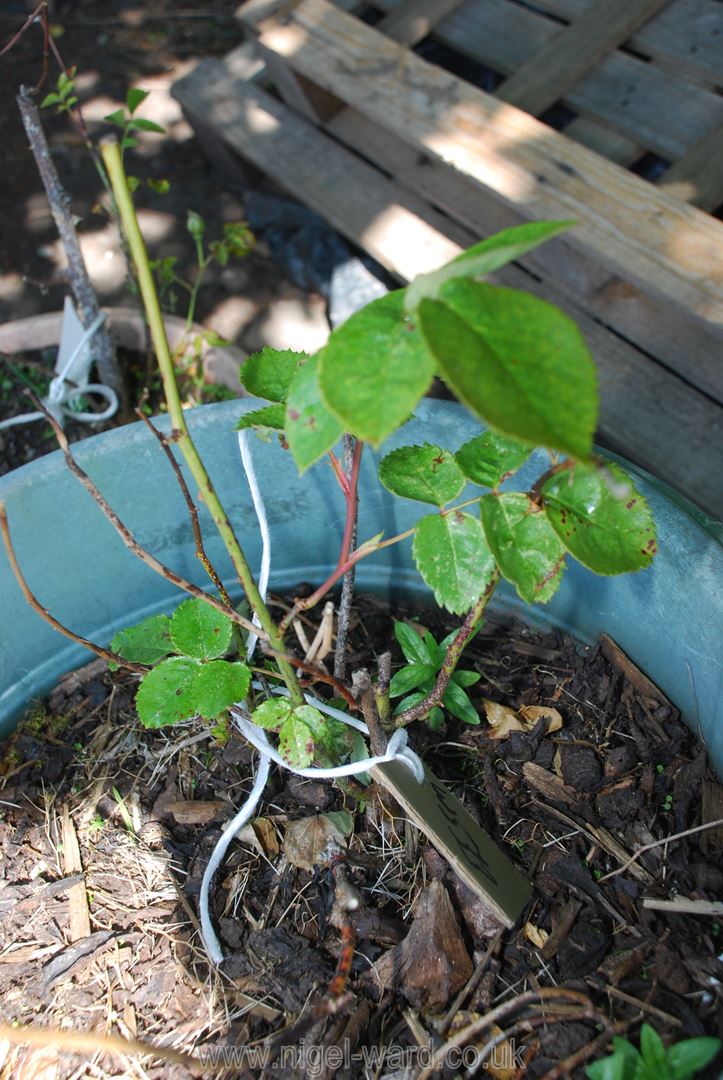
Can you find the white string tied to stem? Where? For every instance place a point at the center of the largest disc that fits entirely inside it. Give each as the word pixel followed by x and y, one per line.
pixel 397 749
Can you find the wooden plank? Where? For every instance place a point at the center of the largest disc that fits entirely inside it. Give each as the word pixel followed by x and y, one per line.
pixel 688 347
pixel 685 37
pixel 661 112
pixel 698 177
pixel 326 177
pixel 573 51
pixel 665 246
pixel 407 238
pixel 414 20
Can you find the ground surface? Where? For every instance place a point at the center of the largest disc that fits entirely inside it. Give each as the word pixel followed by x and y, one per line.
pixel 105 938
pixel 116 44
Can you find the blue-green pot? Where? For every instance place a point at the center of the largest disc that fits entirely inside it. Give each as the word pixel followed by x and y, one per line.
pixel 667 618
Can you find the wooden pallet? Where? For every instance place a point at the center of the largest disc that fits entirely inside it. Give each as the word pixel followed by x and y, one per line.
pixel 413 163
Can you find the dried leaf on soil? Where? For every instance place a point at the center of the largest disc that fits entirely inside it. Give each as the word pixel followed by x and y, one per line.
pixel 310 841
pixel 503 720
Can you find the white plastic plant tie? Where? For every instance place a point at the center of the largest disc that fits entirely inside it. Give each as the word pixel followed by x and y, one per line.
pixel 397 750
pixel 210 941
pixel 73 370
pixel 260 510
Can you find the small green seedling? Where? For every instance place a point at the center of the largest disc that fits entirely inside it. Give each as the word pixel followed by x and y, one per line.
pixel 64 96
pixel 425 658
pixel 129 123
pixel 653 1061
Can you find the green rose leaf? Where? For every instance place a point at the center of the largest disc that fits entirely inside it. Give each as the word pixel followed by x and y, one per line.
pixel 147 125
pixel 526 547
pixel 145 643
pixel 321 727
pixel 167 694
pixel 484 258
pixel 489 458
pixel 134 98
pixel 219 684
pixel 409 678
pixel 453 557
pixel 456 701
pixel 296 742
pixel 601 518
pixel 415 649
pixel 271 416
pixel 311 429
pixel 201 631
pixel 375 368
pixel 118 118
pixel 426 473
pixel 267 374
pixel 516 361
pixel 272 713
pixel 435 719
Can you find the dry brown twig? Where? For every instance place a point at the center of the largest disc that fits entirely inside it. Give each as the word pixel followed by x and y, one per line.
pixel 130 541
pixel 532 997
pixel 192 509
pixel 92 1043
pixel 660 843
pixel 32 600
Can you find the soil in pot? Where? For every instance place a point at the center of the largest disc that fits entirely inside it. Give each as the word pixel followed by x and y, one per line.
pixel 106 829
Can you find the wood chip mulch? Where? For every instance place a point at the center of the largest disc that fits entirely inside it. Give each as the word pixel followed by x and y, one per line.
pixel 105 831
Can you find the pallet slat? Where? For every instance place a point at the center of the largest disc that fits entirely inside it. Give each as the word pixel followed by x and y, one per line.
pixel 407 236
pixel 572 52
pixel 690 349
pixel 685 37
pixel 660 111
pixel 333 181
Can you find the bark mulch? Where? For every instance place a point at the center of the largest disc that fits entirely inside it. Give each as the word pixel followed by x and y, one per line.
pixel 105 830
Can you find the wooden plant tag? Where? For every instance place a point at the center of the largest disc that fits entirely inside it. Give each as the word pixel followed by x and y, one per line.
pixel 469 850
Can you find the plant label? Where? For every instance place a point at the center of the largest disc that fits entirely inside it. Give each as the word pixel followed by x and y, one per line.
pixel 454 832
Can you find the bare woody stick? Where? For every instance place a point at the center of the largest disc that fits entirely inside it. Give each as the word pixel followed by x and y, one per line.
pixel 347 585
pixel 105 654
pixel 192 510
pixel 130 541
pixel 83 294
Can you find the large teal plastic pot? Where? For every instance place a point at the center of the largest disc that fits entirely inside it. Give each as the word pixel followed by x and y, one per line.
pixel 667 618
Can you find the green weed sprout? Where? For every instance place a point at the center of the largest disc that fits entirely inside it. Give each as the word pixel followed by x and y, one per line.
pixel 425 659
pixel 653 1061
